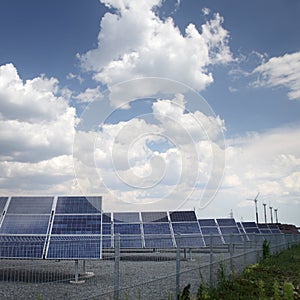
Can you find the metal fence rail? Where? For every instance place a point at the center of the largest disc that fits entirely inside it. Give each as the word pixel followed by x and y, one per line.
pixel 134 273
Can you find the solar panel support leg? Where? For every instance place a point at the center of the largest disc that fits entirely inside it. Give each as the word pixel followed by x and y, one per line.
pixel 76 281
pixel 178 266
pixel 211 257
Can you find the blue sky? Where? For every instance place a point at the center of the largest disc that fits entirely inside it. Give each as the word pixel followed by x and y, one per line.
pixel 67 65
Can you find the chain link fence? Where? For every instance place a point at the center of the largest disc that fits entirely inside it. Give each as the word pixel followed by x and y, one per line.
pixel 134 273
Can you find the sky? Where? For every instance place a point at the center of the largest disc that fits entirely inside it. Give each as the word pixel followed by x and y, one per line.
pixel 155 105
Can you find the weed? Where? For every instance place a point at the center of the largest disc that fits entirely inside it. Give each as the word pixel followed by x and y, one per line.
pixel 261 290
pixel 276 290
pixel 288 291
pixel 185 295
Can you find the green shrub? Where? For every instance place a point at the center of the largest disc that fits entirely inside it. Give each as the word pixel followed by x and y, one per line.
pixel 288 291
pixel 266 249
pixel 276 290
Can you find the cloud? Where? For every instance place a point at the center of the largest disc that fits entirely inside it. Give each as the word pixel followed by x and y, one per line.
pixel 283 71
pixel 90 95
pixel 166 154
pixel 154 47
pixel 37 128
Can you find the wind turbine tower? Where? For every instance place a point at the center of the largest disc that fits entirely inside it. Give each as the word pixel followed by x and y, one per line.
pixel 271 213
pixel 265 212
pixel 256 210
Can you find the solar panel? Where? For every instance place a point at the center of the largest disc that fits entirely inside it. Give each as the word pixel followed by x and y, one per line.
pixel 211 233
pixel 22 246
pixel 106 218
pixel 30 205
pixel 126 217
pixel 263 226
pixel 156 228
pixel 231 234
pixel 207 222
pixel 106 242
pixel 3 201
pixel 186 228
pixel 191 241
pixel 126 229
pixel 74 247
pixel 226 222
pixel 76 224
pixel 251 230
pixel 158 241
pixel 183 216
pixel 78 205
pixel 131 241
pixel 249 224
pixel 160 217
pixel 106 228
pixel 25 224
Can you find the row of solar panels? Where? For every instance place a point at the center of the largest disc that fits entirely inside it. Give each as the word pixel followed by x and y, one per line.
pixel 74 227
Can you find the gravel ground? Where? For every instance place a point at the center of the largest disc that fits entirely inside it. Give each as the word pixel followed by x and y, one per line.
pixel 142 276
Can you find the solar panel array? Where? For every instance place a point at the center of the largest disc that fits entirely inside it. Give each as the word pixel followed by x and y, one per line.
pixel 50 227
pixel 75 227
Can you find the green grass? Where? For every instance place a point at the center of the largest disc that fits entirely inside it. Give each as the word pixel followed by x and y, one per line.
pixel 276 277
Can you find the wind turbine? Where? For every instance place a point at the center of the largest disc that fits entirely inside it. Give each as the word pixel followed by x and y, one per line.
pixel 265 212
pixel 271 213
pixel 276 216
pixel 256 210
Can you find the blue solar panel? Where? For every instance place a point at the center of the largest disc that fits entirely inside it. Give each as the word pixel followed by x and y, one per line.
pixel 160 217
pixel 191 241
pixel 126 217
pixel 231 234
pixel 78 205
pixel 106 241
pixel 25 224
pixel 263 226
pixel 226 222
pixel 186 228
pixel 275 230
pixel 30 205
pixel 123 228
pixel 183 216
pixel 3 201
pixel 22 246
pixel 158 241
pixel 76 224
pixel 211 233
pixel 131 241
pixel 106 228
pixel 156 228
pixel 106 218
pixel 74 247
pixel 249 224
pixel 251 230
pixel 207 222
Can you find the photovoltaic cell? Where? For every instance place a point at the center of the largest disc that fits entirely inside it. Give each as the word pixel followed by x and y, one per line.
pixel 25 224
pixel 207 222
pixel 183 216
pixel 159 217
pixel 249 224
pixel 158 241
pixel 127 229
pixel 226 222
pixel 156 228
pixel 30 205
pixel 74 247
pixel 78 205
pixel 186 228
pixel 22 247
pixel 76 224
pixel 126 217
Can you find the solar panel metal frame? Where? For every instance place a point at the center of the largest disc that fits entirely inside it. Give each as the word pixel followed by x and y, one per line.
pixel 207 222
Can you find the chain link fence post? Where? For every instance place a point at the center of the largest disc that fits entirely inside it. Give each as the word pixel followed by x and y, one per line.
pixel 117 267
pixel 211 257
pixel 178 266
